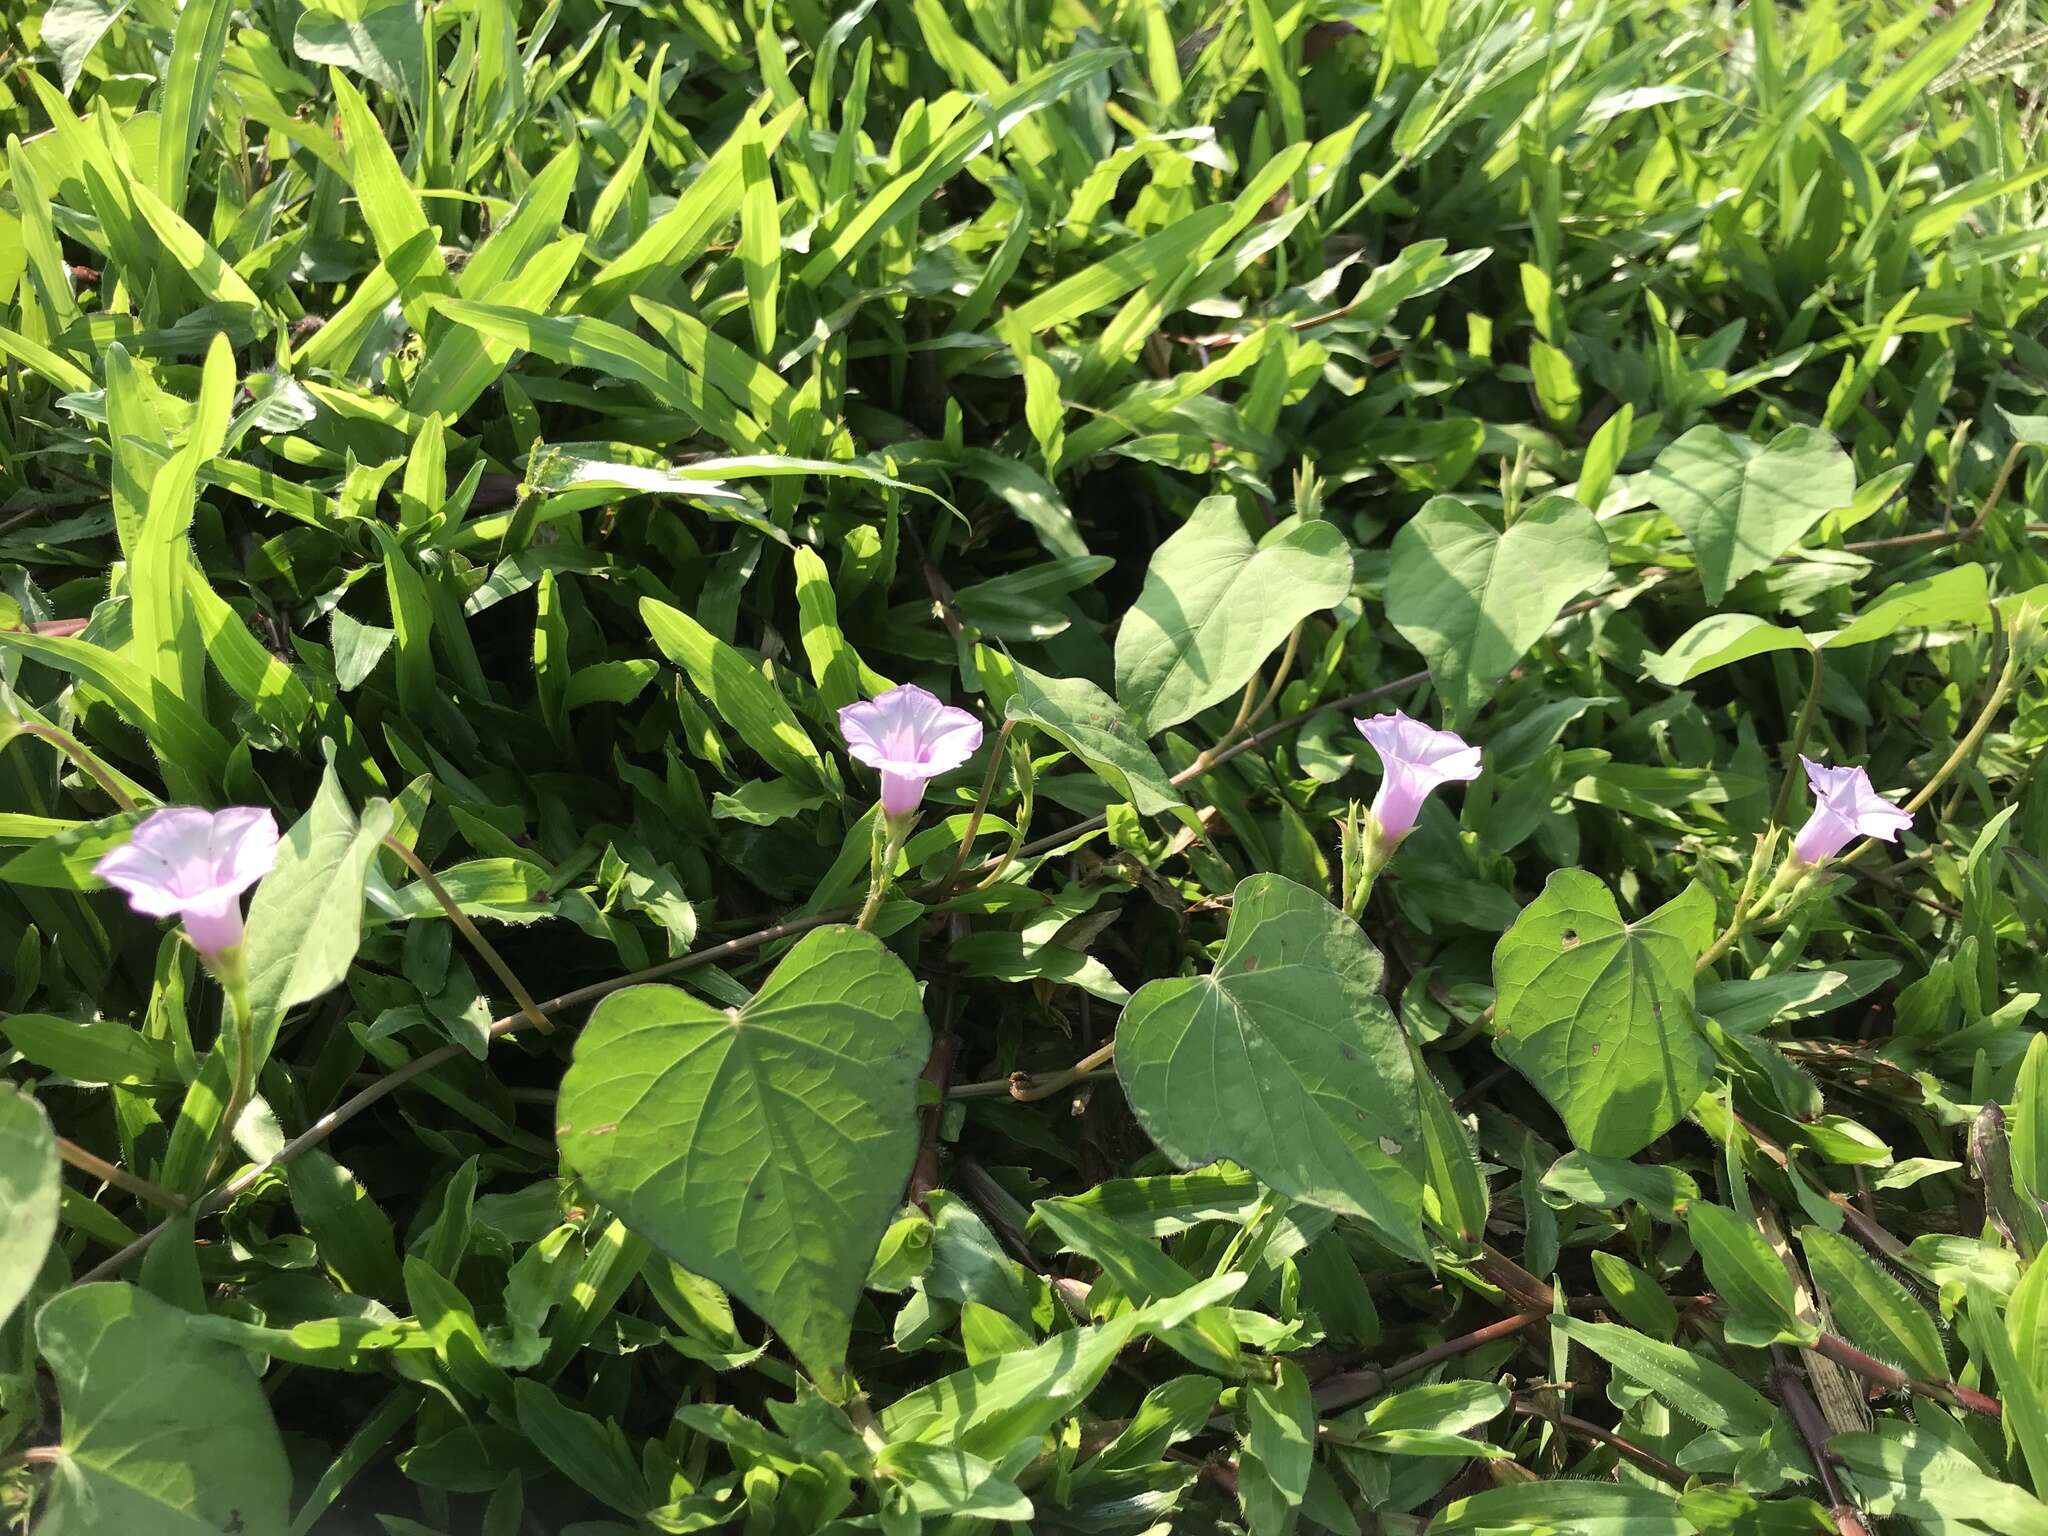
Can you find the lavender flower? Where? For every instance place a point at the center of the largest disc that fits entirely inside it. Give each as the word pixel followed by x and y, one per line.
pixel 910 738
pixel 1845 807
pixel 193 865
pixel 1416 759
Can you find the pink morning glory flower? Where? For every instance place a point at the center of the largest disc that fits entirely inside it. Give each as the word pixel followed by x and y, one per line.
pixel 1415 759
pixel 909 737
pixel 1845 807
pixel 193 865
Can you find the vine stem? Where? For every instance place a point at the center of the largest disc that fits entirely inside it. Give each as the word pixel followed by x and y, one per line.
pixel 1249 714
pixel 1814 1431
pixel 1527 1407
pixel 1348 1387
pixel 988 788
pixel 1964 749
pixel 469 930
pixel 1951 1393
pixel 110 1173
pixel 82 755
pixel 1744 909
pixel 391 1082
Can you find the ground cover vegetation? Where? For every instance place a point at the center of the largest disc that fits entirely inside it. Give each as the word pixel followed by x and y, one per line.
pixel 1075 765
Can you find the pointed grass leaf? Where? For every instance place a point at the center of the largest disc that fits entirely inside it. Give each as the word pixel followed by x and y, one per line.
pixel 1285 1059
pixel 1959 595
pixel 29 1191
pixel 1684 1380
pixel 1720 640
pixel 1473 599
pixel 1870 1308
pixel 1214 607
pixel 136 1456
pixel 1758 1304
pixel 306 918
pixel 764 1147
pixel 1598 1013
pixel 1091 725
pixel 1741 504
pixel 743 698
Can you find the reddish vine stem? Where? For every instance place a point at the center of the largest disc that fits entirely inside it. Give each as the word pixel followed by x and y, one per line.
pixel 1348 1387
pixel 1527 1407
pixel 1953 1394
pixel 1814 1431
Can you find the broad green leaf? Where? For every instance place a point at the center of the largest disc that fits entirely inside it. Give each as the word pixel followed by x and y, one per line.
pixel 1473 599
pixel 1720 640
pixel 1216 605
pixel 1576 1506
pixel 1958 595
pixel 764 1147
pixel 138 1452
pixel 1742 504
pixel 592 1453
pixel 942 1480
pixel 1605 1182
pixel 1285 1059
pixel 1091 725
pixel 1598 1013
pixel 71 29
pixel 30 1182
pixel 1921 1476
pixel 383 45
pixel 1870 1308
pixel 1683 1379
pixel 1637 1299
pixel 743 698
pixel 1759 1306
pixel 90 1051
pixel 1279 1448
pixel 306 918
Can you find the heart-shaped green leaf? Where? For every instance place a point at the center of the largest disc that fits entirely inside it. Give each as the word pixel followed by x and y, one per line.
pixel 1473 599
pixel 1598 1013
pixel 164 1431
pixel 1285 1059
pixel 29 1192
pixel 1741 504
pixel 764 1147
pixel 1214 607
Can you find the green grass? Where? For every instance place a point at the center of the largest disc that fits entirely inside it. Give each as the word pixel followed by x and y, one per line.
pixel 525 427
